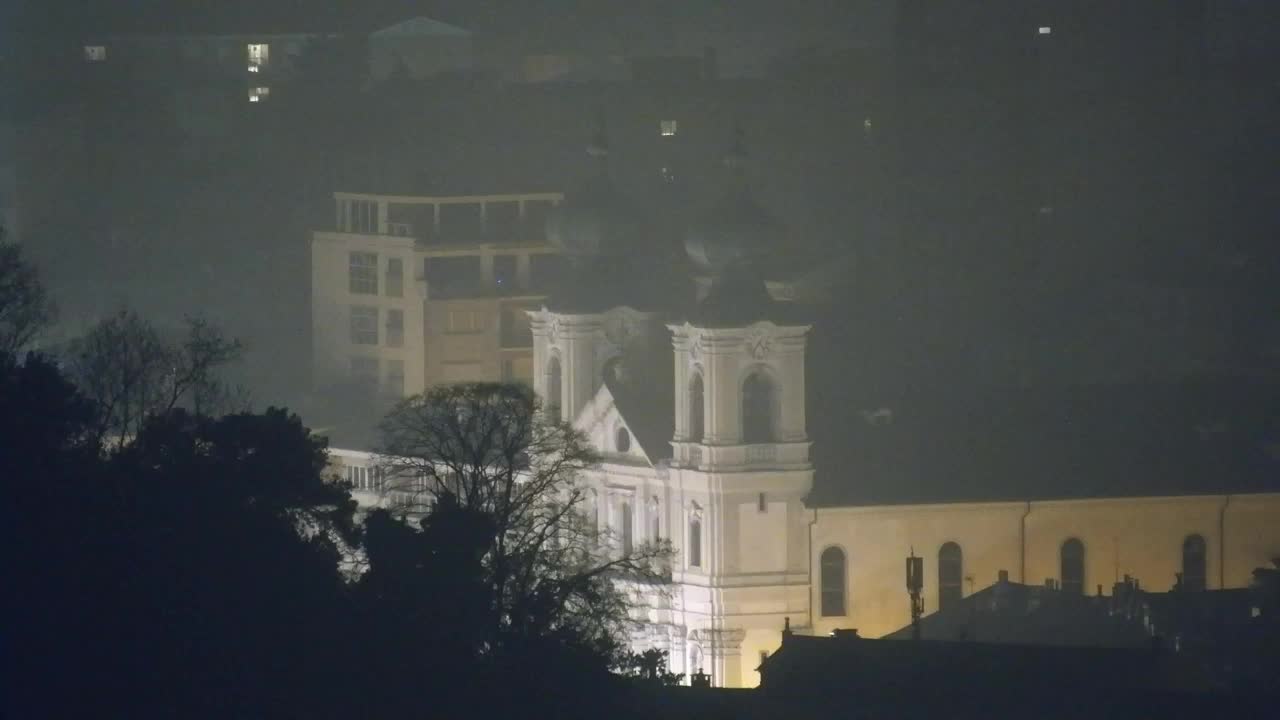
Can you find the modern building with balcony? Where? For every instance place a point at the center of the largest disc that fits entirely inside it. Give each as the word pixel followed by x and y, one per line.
pixel 410 291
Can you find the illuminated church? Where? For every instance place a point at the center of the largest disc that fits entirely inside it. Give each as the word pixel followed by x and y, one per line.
pixel 689 377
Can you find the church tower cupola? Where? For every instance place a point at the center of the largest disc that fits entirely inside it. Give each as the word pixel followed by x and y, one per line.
pixel 739 355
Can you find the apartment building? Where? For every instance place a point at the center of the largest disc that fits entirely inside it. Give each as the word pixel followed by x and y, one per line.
pixel 409 291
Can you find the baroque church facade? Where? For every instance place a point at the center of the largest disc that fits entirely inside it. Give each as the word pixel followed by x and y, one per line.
pixel 689 378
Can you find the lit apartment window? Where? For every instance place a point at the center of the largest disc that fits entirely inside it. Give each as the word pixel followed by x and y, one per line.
pixel 259 94
pixel 259 54
pixel 95 53
pixel 668 127
pixel 395 328
pixel 364 325
pixel 362 273
pixel 1046 30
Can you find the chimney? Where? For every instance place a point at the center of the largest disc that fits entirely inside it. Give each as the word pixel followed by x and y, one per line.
pixel 845 633
pixel 1002 576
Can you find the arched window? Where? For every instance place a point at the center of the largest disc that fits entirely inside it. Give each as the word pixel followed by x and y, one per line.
pixel 757 409
pixel 622 440
pixel 553 399
pixel 695 540
pixel 626 527
pixel 1194 575
pixel 696 408
pixel 833 574
pixel 1073 567
pixel 950 575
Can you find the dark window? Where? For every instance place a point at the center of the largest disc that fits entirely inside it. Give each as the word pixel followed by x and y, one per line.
pixel 395 328
pixel 364 370
pixel 516 331
pixel 696 408
pixel 395 378
pixel 453 276
pixel 1073 567
pixel 950 576
pixel 504 273
pixel 545 271
pixel 1194 575
pixel 833 572
pixel 757 409
pixel 657 521
pixel 695 542
pixel 552 399
pixel 622 440
pixel 762 503
pixel 626 527
pixel 364 325
pixel 362 273
pixel 395 277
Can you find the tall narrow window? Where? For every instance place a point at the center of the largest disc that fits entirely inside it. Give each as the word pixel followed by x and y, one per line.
pixel 695 540
pixel 762 503
pixel 655 519
pixel 395 277
pixel 362 273
pixel 552 399
pixel 395 378
pixel 696 408
pixel 833 582
pixel 364 325
pixel 1194 575
pixel 626 527
pixel 757 409
pixel 1073 567
pixel 950 576
pixel 395 328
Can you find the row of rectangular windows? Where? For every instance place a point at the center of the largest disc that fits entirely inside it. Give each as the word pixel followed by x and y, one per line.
pixel 446 277
pixel 364 326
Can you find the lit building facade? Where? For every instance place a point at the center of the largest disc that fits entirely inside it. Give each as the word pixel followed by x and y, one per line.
pixel 411 291
pixel 690 380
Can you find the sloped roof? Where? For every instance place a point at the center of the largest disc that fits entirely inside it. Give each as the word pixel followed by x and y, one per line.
pixel 1045 443
pixel 649 413
pixel 420 26
pixel 1013 613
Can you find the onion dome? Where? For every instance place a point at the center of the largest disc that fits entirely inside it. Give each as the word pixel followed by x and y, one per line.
pixel 730 243
pixel 737 230
pixel 596 220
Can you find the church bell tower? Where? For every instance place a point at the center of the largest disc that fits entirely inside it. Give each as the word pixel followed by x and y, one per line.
pixel 740 448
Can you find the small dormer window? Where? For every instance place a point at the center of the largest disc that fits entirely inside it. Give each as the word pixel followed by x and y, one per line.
pixel 622 440
pixel 668 128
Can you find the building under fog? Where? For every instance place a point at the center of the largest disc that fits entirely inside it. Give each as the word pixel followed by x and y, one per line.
pixel 411 291
pixel 721 433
